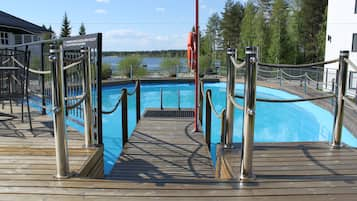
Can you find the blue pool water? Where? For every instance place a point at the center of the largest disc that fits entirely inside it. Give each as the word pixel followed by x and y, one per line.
pixel 275 122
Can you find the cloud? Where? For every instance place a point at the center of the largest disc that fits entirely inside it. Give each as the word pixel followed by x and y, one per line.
pixel 160 10
pixel 100 11
pixel 102 1
pixel 132 40
pixel 203 6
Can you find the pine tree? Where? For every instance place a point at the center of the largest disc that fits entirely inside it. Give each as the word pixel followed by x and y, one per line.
pixel 247 34
pixel 261 39
pixel 66 27
pixel 213 34
pixel 322 37
pixel 312 20
pixel 230 24
pixel 82 30
pixel 279 49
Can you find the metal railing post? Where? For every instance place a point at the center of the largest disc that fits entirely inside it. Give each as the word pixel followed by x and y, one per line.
pixel 88 132
pixel 281 77
pixel 124 116
pixel 178 99
pixel 246 171
pixel 43 80
pixel 200 113
pixel 62 166
pixel 223 126
pixel 317 80
pixel 161 104
pixel 341 92
pixel 138 102
pixel 208 119
pixel 305 84
pixel 326 78
pixel 230 92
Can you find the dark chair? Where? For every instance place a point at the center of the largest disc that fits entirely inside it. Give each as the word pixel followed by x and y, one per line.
pixel 14 79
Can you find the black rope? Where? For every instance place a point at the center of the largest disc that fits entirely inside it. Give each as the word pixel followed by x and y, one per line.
pixel 115 107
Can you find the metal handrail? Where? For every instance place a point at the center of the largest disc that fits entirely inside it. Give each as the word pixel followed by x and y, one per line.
pixel 297 65
pixel 134 90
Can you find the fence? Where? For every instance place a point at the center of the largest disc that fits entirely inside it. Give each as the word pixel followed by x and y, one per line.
pixel 65 81
pixel 253 69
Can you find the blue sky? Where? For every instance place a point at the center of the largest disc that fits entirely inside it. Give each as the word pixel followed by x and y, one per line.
pixel 126 25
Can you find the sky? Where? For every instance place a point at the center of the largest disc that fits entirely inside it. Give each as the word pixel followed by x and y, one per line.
pixel 127 25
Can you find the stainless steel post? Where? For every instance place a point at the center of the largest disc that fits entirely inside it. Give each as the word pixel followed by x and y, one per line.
pixel 341 92
pixel 88 133
pixel 56 57
pixel 246 172
pixel 230 92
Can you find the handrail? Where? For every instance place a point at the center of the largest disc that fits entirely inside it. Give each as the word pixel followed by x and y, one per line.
pixel 297 65
pixel 218 115
pixel 29 69
pixel 235 104
pixel 134 90
pixel 82 98
pixel 292 76
pixel 72 65
pixel 289 100
pixel 115 107
pixel 353 65
pixel 236 65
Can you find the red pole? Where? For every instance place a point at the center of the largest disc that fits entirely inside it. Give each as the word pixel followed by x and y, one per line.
pixel 196 63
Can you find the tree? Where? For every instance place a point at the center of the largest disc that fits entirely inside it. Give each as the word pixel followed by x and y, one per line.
pixel 294 28
pixel 66 27
pixel 230 24
pixel 170 65
pixel 247 34
pixel 312 14
pixel 261 39
pixel 82 30
pixel 133 62
pixel 322 37
pixel 106 71
pixel 205 64
pixel 278 50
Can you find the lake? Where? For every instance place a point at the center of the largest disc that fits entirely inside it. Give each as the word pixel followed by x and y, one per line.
pixel 152 63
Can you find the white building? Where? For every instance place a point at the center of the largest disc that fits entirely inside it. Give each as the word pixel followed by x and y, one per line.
pixel 14 31
pixel 341 34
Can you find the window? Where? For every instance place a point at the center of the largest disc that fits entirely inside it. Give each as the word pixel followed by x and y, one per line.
pixel 353 80
pixel 27 38
pixel 18 39
pixel 354 43
pixel 4 38
pixel 356 6
pixel 35 38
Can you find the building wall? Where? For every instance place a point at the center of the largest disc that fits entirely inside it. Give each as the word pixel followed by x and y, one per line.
pixel 341 25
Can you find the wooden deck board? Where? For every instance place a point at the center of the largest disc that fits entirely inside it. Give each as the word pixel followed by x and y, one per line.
pixel 165 161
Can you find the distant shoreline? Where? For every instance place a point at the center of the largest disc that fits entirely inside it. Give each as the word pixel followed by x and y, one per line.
pixel 154 53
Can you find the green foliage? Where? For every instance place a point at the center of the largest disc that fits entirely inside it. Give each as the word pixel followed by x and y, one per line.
pixel 230 24
pixel 106 71
pixel 279 46
pixel 205 64
pixel 134 62
pixel 82 30
pixel 261 39
pixel 170 64
pixel 321 37
pixel 66 27
pixel 247 34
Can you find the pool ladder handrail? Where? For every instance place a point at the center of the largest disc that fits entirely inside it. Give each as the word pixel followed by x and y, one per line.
pixel 178 99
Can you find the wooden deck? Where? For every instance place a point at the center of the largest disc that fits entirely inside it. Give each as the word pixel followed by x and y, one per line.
pixel 165 161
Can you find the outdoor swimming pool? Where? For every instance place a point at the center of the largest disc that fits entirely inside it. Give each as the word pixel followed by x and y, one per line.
pixel 275 122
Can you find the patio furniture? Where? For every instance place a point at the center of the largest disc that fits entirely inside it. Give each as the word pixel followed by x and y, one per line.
pixel 14 79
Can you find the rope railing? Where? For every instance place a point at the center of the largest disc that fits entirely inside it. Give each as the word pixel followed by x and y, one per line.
pixel 235 103
pixel 72 65
pixel 115 106
pixel 5 61
pixel 268 71
pixel 78 103
pixel 134 90
pixel 236 65
pixel 30 69
pixel 218 115
pixel 289 100
pixel 297 65
pixel 353 65
pixel 291 76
